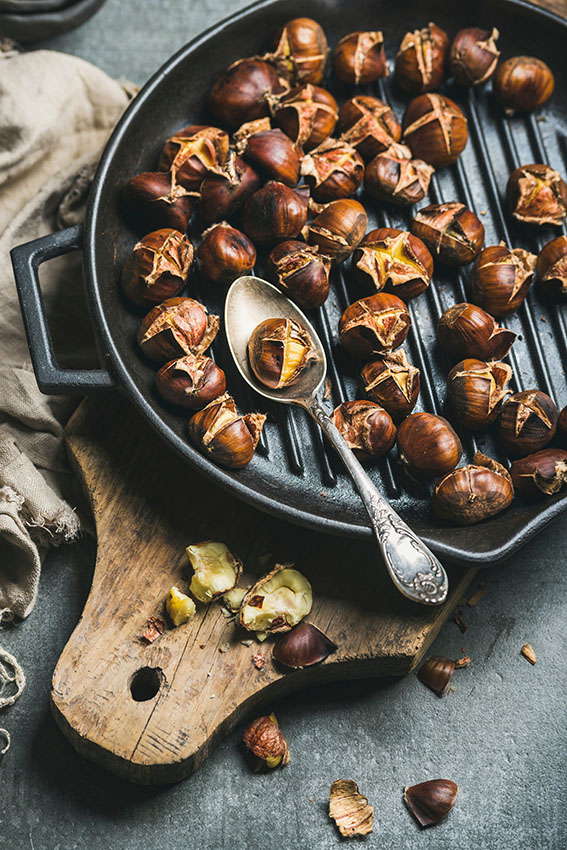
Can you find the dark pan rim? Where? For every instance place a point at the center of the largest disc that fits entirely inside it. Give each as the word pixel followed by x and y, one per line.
pixel 265 503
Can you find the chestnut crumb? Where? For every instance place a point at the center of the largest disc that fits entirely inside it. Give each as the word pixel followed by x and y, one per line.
pixel 528 652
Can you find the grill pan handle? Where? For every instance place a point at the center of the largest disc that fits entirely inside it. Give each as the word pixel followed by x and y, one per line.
pixel 26 260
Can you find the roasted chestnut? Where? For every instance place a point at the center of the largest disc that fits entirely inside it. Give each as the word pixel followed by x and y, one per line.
pixel 500 278
pixel 191 381
pixel 306 114
pixel 552 267
pixel 333 170
pixel 451 231
pixel 303 646
pixel 395 259
pixel 393 382
pixel 278 352
pixel 537 194
pixel 338 229
pixel 300 271
pixel 359 58
pixel 269 150
pixel 435 129
pixel 221 433
pixel 225 253
pixel 366 428
pixel 541 474
pixel 369 125
pixel 157 268
pixel 476 391
pixel 528 421
pixel 274 213
pixel 224 192
pixel 265 741
pixel 176 327
pixel 192 153
pixel 374 325
pixel 301 47
pixel 473 493
pixel 395 177
pixel 159 200
pixel 431 801
pixel 523 83
pixel 474 56
pixel 240 94
pixel 428 446
pixel 465 330
pixel 421 63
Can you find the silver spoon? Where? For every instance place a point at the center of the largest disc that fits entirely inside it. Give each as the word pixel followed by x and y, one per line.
pixel 413 568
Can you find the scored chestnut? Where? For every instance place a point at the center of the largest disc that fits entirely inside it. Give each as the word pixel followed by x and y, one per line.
pixel 393 382
pixel 552 267
pixel 338 229
pixel 428 446
pixel 421 62
pixel 522 84
pixel 274 213
pixel 366 428
pixel 395 259
pixel 473 493
pixel 369 125
pixel 537 194
pixel 435 129
pixel 474 56
pixel 157 268
pixel 221 433
pixel 158 200
pixel 240 93
pixel 359 58
pixel 374 325
pixel 476 391
pixel 192 152
pixel 465 330
pixel 301 47
pixel 269 150
pixel 500 278
pixel 225 253
pixel 278 351
pixel 333 170
pixel 528 421
pixel 224 192
pixel 176 327
pixel 191 381
pixel 300 271
pixel 395 177
pixel 451 231
pixel 541 474
pixel 306 114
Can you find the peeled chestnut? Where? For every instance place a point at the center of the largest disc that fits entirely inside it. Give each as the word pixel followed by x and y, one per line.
pixel 274 213
pixel 240 94
pixel 428 446
pixel 435 129
pixel 393 382
pixel 395 177
pixel 366 428
pixel 465 330
pixel 552 267
pixel 303 646
pixel 300 271
pixel 500 278
pixel 156 198
pixel 528 421
pixel 373 325
pixel 192 153
pixel 157 268
pixel 301 47
pixel 541 474
pixel 191 381
pixel 224 192
pixel 225 253
pixel 338 229
pixel 176 327
pixel 359 58
pixel 369 125
pixel 269 150
pixel 451 231
pixel 473 493
pixel 537 194
pixel 421 63
pixel 476 391
pixel 306 114
pixel 278 352
pixel 333 170
pixel 523 83
pixel 395 259
pixel 221 433
pixel 474 56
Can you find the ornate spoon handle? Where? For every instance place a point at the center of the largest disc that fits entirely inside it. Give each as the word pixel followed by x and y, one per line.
pixel 413 568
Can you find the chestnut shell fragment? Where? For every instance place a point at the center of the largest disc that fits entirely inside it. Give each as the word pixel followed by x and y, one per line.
pixel 303 646
pixel 431 801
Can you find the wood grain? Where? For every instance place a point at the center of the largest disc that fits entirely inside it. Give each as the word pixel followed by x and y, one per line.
pixel 557 6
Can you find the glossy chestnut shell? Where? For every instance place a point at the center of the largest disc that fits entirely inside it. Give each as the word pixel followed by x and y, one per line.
pixel 301 46
pixel 269 150
pixel 476 391
pixel 225 253
pixel 428 446
pixel 528 421
pixel 191 381
pixel 374 325
pixel 338 229
pixel 224 192
pixel 395 177
pixel 435 129
pixel 274 213
pixel 176 327
pixel 474 56
pixel 300 271
pixel 156 199
pixel 369 125
pixel 307 114
pixel 537 194
pixel 393 259
pixel 393 382
pixel 500 278
pixel 552 267
pixel 192 152
pixel 421 62
pixel 333 170
pixel 359 58
pixel 431 801
pixel 523 83
pixel 303 646
pixel 240 94
pixel 451 231
pixel 473 493
pixel 221 433
pixel 157 268
pixel 366 427
pixel 278 352
pixel 541 474
pixel 465 330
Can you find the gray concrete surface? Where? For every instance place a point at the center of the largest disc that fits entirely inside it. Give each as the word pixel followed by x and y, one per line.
pixel 500 734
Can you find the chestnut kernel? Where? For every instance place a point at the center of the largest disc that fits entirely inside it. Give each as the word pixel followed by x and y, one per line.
pixel 366 428
pixel 301 49
pixel 277 602
pixel 224 192
pixel 522 84
pixel 274 213
pixel 393 382
pixel 269 150
pixel 369 125
pixel 300 271
pixel 393 259
pixel 500 278
pixel 278 351
pixel 431 801
pixel 528 421
pixel 266 742
pixel 465 330
pixel 428 446
pixel 303 646
pixel 157 268
pixel 536 194
pixel 190 154
pixel 473 493
pixel 333 170
pixel 306 114
pixel 421 62
pixel 374 325
pixel 221 433
pixel 338 229
pixel 541 474
pixel 552 267
pixel 225 253
pixel 435 129
pixel 474 56
pixel 359 58
pixel 395 177
pixel 476 391
pixel 156 198
pixel 451 231
pixel 176 327
pixel 191 381
pixel 240 94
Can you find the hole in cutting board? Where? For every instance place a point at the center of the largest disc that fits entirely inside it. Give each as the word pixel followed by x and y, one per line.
pixel 145 683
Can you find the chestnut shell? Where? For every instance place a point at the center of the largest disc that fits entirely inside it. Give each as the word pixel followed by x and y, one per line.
pixel 240 93
pixel 552 267
pixel 528 422
pixel 274 213
pixel 375 324
pixel 428 445
pixel 435 129
pixel 543 473
pixel 366 427
pixel 465 330
pixel 473 493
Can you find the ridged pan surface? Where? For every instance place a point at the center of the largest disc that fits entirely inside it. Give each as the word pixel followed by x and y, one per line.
pixel 293 474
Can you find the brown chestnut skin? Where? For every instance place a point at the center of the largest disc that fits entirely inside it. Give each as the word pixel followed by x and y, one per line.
pixel 301 46
pixel 278 352
pixel 431 801
pixel 451 231
pixel 528 421
pixel 552 267
pixel 374 325
pixel 192 152
pixel 540 474
pixel 395 177
pixel 369 125
pixel 240 94
pixel 476 390
pixel 395 260
pixel 269 150
pixel 500 278
pixel 303 646
pixel 473 493
pixel 537 194
pixel 333 170
pixel 223 193
pixel 219 432
pixel 158 200
pixel 474 56
pixel 338 229
pixel 176 327
pixel 300 271
pixel 522 84
pixel 225 253
pixel 392 382
pixel 421 62
pixel 307 114
pixel 436 674
pixel 157 268
pixel 435 129
pixel 359 58
pixel 273 214
pixel 366 428
pixel 466 330
pixel 428 446
pixel 191 381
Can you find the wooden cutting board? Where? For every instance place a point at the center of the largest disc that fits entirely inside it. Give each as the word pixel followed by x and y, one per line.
pixel 195 683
